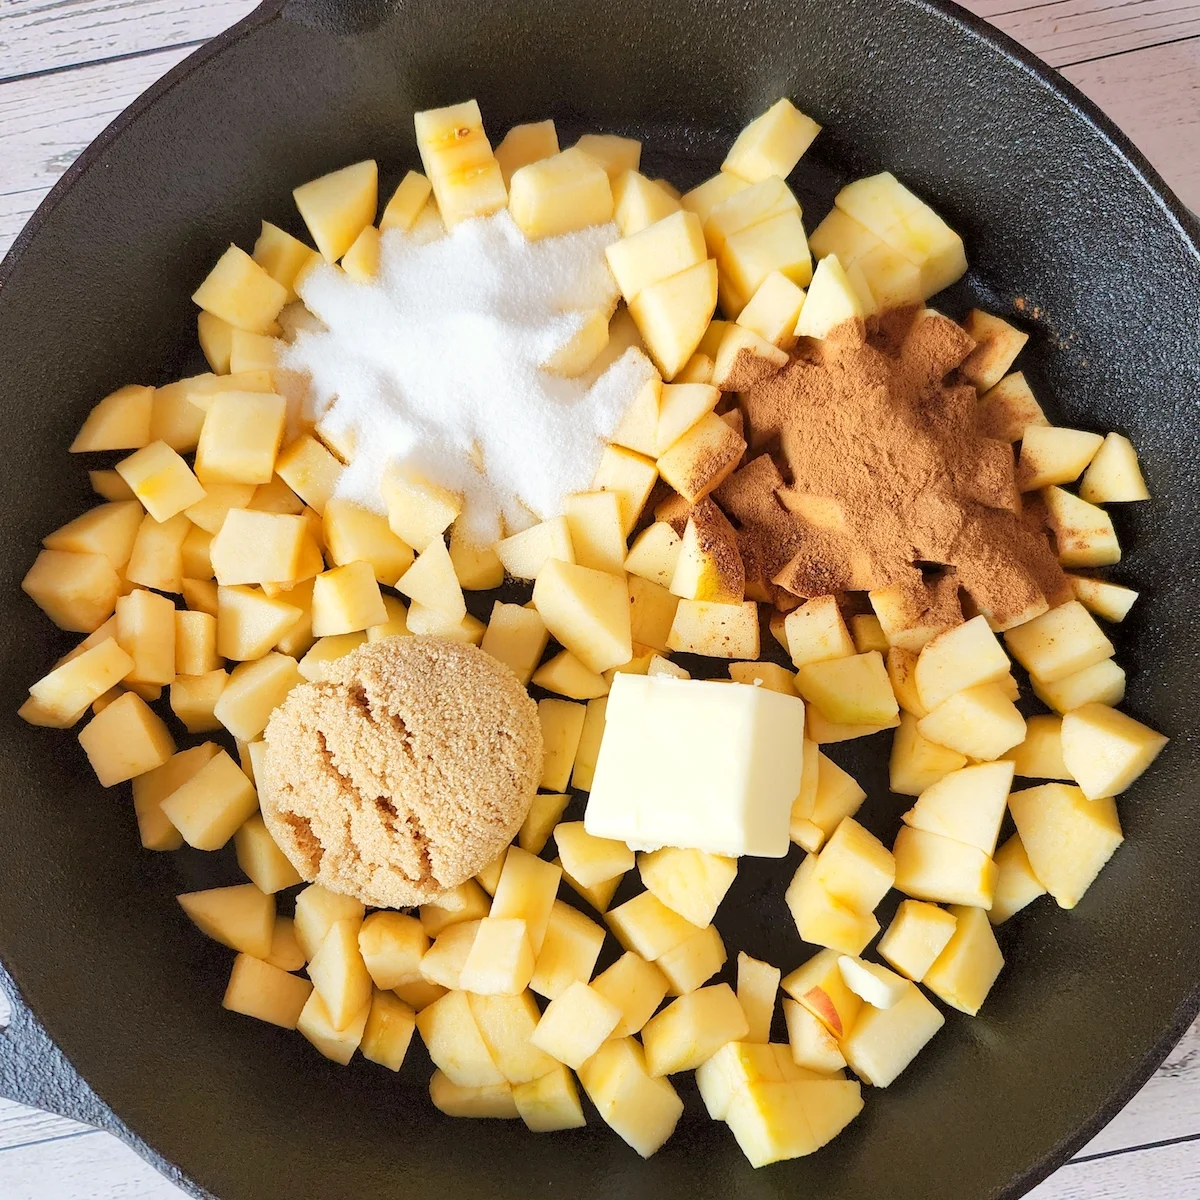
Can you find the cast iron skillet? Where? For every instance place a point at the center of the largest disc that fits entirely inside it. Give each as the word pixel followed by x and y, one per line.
pixel 1069 231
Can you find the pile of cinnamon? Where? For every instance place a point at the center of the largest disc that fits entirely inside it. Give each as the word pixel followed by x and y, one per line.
pixel 871 474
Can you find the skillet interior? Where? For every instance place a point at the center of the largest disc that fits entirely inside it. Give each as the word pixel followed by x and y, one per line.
pixel 1052 213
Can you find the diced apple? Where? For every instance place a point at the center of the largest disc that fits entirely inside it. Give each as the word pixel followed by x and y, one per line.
pixel 587 611
pixel 361 261
pixel 917 935
pixel 444 961
pixel 966 805
pixel 240 917
pixel 396 624
pixel 347 599
pixel 524 554
pixel 241 437
pixel 1105 750
pixel 339 974
pixel 1059 642
pixel 121 421
pixel 614 153
pixel 1008 408
pixel 648 927
pixel 338 206
pixel 124 740
pixel 632 476
pixel 817 633
pixel 317 911
pixel 78 592
pixel 855 869
pixel 259 989
pixel 854 690
pixel 516 636
pixel 500 961
pixel 455 906
pixel 249 623
pixel 690 882
pixel 1053 455
pixel 637 987
pixel 1040 755
pixel 1114 475
pixel 673 314
pixel 527 890
pixel 769 675
pixel 837 796
pixel 194 699
pixel 525 144
pixel 478 568
pixel 773 311
pixel 957 659
pixel 641 1109
pixel 703 198
pixel 1017 885
pixel 757 987
pixel 692 1029
pixel 430 581
pixel 418 511
pixel 507 1024
pixel 590 860
pixel 965 970
pixel 211 805
pixel 916 762
pixel 488 1101
pixel 831 301
pixel 562 725
pixel 936 868
pixel 261 859
pixel 545 812
pixel 654 554
pixel 392 945
pixel 108 529
pixel 560 194
pixel 254 691
pixel 567 676
pixel 285 949
pixel 153 787
pixel 694 961
pixel 716 630
pixel 550 1102
pixel 1101 683
pixel 240 292
pixel 388 1031
pixel 750 255
pixel 429 622
pixel 772 144
pixel 812 1045
pixel 575 1024
pixel 875 984
pixel 66 692
pixel 819 986
pixel 823 920
pixel 657 253
pixel 569 951
pixel 981 722
pixel 639 202
pixel 884 1041
pixel 409 198
pixel 1083 533
pixel 1109 601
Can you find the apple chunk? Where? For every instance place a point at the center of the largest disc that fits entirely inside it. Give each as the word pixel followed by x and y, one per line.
pixel 1105 750
pixel 587 611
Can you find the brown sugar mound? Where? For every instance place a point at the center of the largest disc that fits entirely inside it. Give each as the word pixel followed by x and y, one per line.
pixel 404 773
pixel 872 473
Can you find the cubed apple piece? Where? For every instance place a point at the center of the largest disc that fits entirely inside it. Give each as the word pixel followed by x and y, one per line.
pixel 917 935
pixel 249 623
pixel 569 951
pixel 868 635
pixel 957 659
pixel 125 739
pixel 636 987
pixel 702 458
pixel 757 988
pixel 823 920
pixel 361 261
pixel 567 676
pixel 664 666
pixel 487 1102
pixel 587 611
pixel 347 599
pixel 703 198
pixel 355 534
pixel 854 690
pixel 310 470
pixel 1059 642
pixel 709 565
pixel 109 485
pixel 716 630
pixel 632 476
pixel 772 144
pixel 673 314
pixel 738 212
pixel 813 1047
pixel 209 513
pixel 1109 601
pixel 1114 475
pixel 429 622
pixel 501 959
pixel 837 796
pixel 261 859
pixel 641 1109
pixel 455 1044
pixel 614 153
pixel 1101 683
pixel 692 1029
pixel 524 554
pixel 831 301
pixel 63 696
pixel 917 763
pixel 773 311
pixel 1083 533
pixel 209 807
pixel 855 868
pixel 741 1065
pixel 966 805
pixel 317 911
pixel 407 201
pixel 527 890
pixel 590 860
pixel 121 421
pixel 694 961
pixel 388 1031
pixel 997 344
pixel 454 906
pixel 194 699
pixel 638 430
pixel 819 986
pixel 196 554
pixel 817 633
pixel 562 726
pixel 458 159
pixel 392 945
pixel 560 194
pixel 1009 408
pixel 258 989
pixel 108 529
pixel 640 202
pixel 146 632
pixel 318 1028
pixel 506 1024
pixel 338 206
pixel 689 882
pixel 418 511
pixel 262 547
pixel 1105 750
pixel 285 949
pixel 241 437
pixel 875 984
pixel 153 787
pixel 1050 454
pixel 840 234
pixel 595 531
pixel 652 610
pixel 241 293
pixel 939 869
pixel 430 581
pixel 525 144
pixel 884 1041
pixel 550 1102
pixel 1067 837
pixel 174 419
pixel 240 917
pixel 478 568
pixel 515 635
pixel 444 961
pixel 254 691
pixel 420 994
pixel 1017 886
pixel 657 253
pixel 575 1024
pixel 648 927
pixel 78 592
pixel 748 256
pixel 545 811
pixel 965 970
pixel 980 722
pixel 768 675
pixel 1040 755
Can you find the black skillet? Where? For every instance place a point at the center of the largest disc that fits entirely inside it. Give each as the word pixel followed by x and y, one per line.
pixel 1069 231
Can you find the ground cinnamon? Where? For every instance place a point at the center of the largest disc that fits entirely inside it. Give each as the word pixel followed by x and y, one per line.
pixel 872 474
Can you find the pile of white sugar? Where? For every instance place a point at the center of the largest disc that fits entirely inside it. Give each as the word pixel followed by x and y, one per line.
pixel 435 368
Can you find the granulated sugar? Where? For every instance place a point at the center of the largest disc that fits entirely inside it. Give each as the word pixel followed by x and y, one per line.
pixel 435 368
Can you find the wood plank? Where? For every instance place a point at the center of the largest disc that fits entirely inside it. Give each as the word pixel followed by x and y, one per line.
pixel 48 120
pixel 44 35
pixel 1165 1173
pixel 1064 32
pixel 20 1126
pixel 1154 95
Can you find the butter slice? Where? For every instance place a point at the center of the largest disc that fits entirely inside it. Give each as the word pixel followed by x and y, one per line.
pixel 697 764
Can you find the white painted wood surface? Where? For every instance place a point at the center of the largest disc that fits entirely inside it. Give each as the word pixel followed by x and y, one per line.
pixel 67 67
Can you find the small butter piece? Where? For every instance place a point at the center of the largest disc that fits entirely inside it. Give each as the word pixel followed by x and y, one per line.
pixel 697 764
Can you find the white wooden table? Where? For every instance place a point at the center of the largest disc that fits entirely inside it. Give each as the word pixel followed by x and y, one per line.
pixel 67 67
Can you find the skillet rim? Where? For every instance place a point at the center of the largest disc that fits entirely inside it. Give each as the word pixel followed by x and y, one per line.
pixel 60 1075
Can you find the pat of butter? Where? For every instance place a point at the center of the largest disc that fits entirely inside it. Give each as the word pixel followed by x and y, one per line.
pixel 697 764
